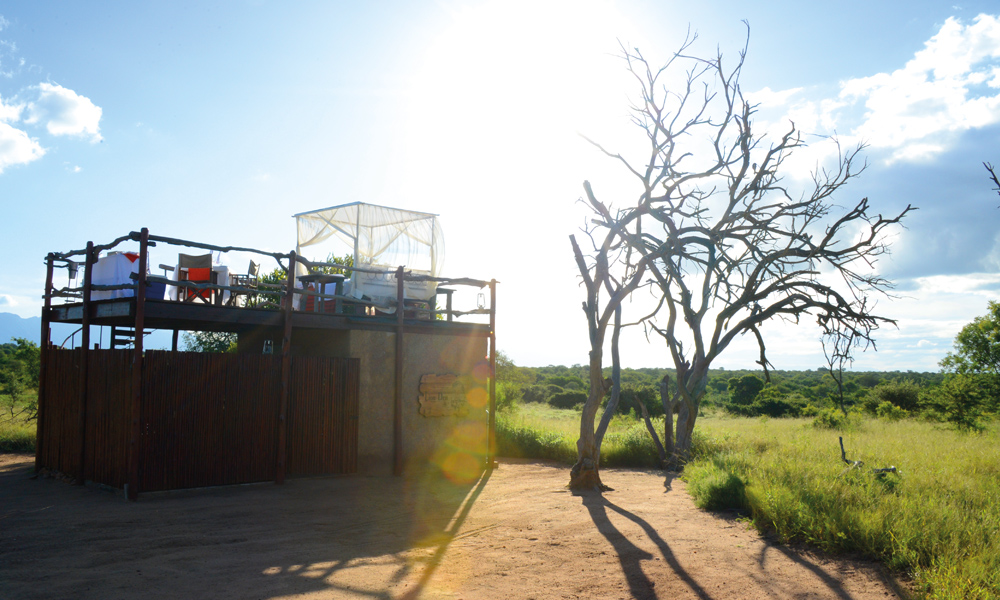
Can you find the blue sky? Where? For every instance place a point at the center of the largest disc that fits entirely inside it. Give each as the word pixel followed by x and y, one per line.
pixel 217 122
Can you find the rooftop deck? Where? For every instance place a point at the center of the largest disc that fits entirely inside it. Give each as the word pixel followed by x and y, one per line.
pixel 244 304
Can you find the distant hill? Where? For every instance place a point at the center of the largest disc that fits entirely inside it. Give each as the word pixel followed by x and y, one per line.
pixel 13 326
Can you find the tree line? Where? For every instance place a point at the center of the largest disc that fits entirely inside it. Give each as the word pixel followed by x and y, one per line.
pixel 20 361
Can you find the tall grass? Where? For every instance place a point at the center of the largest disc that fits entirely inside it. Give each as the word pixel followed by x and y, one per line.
pixel 939 519
pixel 17 436
pixel 540 431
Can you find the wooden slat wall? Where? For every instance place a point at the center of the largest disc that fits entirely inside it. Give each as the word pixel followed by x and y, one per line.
pixel 109 410
pixel 323 435
pixel 206 419
pixel 62 381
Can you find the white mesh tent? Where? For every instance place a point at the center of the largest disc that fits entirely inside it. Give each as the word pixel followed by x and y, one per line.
pixel 378 237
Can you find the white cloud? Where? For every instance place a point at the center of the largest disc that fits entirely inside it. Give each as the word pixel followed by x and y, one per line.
pixel 10 111
pixel 767 97
pixel 64 112
pixel 17 148
pixel 915 112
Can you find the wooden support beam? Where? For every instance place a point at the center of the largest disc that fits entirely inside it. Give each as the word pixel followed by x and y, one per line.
pixel 135 442
pixel 88 279
pixel 397 407
pixel 491 434
pixel 286 371
pixel 43 365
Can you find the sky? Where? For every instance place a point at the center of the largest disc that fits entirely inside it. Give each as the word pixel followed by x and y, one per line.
pixel 218 121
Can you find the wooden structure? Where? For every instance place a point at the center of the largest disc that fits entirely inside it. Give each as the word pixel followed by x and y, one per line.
pixel 155 420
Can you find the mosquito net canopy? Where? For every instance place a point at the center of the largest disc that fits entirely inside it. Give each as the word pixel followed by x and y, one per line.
pixel 377 237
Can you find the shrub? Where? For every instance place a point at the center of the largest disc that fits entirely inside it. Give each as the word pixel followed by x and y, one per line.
pixel 567 399
pixel 508 395
pixel 770 402
pixel 649 396
pixel 960 402
pixel 904 394
pixel 535 393
pixel 568 382
pixel 743 390
pixel 889 411
pixel 831 418
pixel 715 488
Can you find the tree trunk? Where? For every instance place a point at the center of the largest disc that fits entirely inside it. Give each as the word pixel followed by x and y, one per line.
pixel 616 385
pixel 584 475
pixel 652 433
pixel 668 425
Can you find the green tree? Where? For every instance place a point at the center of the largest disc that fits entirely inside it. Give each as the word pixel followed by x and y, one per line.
pixel 959 400
pixel 743 390
pixel 511 381
pixel 209 341
pixel 20 366
pixel 977 346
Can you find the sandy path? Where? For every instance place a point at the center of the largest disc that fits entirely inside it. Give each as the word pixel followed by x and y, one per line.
pixel 517 533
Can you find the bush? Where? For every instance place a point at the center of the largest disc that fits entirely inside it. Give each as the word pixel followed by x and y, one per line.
pixel 960 402
pixel 649 396
pixel 770 402
pixel 508 395
pixel 715 488
pixel 535 393
pixel 832 418
pixel 568 382
pixel 903 394
pixel 889 411
pixel 567 399
pixel 742 391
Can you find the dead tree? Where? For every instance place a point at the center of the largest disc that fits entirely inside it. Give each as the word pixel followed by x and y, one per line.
pixel 839 344
pixel 993 177
pixel 609 271
pixel 726 243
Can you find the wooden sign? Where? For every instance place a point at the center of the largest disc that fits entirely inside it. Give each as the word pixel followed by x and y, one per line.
pixel 442 396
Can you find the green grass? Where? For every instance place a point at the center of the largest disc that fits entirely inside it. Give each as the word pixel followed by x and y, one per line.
pixel 17 436
pixel 938 519
pixel 541 431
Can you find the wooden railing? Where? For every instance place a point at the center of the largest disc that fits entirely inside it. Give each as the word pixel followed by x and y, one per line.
pixel 286 262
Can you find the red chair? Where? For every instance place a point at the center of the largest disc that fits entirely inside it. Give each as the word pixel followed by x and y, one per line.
pixel 196 269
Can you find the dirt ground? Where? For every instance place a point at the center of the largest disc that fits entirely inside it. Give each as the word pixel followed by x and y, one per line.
pixel 515 533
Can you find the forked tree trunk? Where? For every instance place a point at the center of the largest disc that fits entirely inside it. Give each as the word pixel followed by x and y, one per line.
pixel 668 424
pixel 685 428
pixel 584 475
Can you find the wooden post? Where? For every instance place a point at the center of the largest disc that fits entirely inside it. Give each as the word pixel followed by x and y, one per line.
pixel 173 341
pixel 491 434
pixel 88 279
pixel 43 365
pixel 397 409
pixel 135 445
pixel 286 371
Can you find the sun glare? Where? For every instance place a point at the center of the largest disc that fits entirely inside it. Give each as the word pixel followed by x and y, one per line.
pixel 509 85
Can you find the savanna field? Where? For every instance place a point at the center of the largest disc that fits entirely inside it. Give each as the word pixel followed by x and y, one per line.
pixel 936 521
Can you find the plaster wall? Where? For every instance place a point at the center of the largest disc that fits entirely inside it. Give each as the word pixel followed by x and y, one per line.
pixel 455 444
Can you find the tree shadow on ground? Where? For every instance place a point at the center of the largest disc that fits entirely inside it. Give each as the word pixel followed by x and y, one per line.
pixel 630 555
